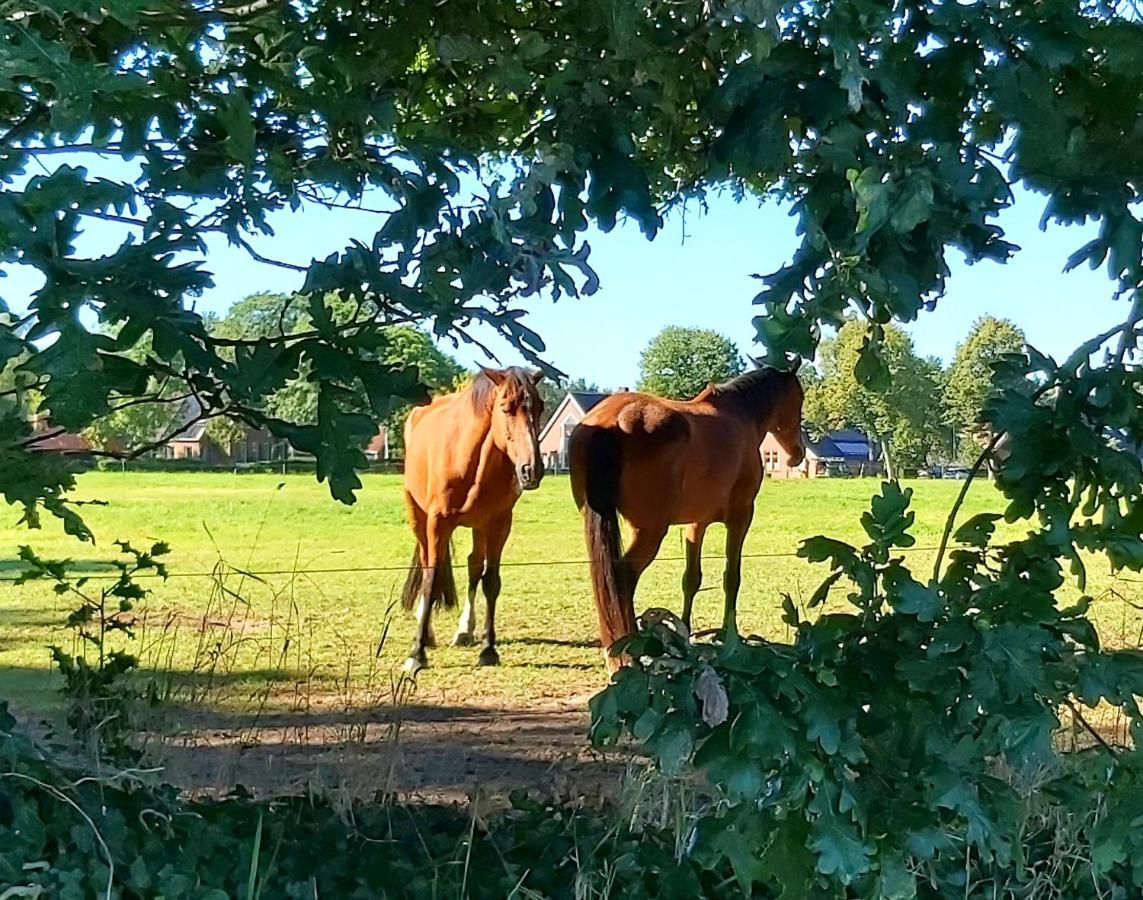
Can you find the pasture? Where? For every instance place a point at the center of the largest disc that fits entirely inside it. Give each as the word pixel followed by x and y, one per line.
pixel 314 629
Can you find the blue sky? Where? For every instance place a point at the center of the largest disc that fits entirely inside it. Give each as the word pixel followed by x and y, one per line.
pixel 700 277
pixel 703 278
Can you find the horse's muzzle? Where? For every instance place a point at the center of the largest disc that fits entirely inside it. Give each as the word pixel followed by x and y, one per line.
pixel 796 459
pixel 529 475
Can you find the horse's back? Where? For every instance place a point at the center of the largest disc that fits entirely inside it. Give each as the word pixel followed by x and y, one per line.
pixel 639 416
pixel 682 460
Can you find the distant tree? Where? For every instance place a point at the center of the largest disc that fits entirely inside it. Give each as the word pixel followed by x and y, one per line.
pixel 131 425
pixel 809 376
pixel 680 362
pixel 262 316
pixel 904 420
pixel 275 315
pixel 553 394
pixel 969 378
pixel 411 348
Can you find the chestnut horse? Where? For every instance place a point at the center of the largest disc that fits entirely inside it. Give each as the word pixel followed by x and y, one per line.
pixel 663 462
pixel 468 457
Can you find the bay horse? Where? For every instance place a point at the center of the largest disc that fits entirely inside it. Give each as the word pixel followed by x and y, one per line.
pixel 468 457
pixel 660 462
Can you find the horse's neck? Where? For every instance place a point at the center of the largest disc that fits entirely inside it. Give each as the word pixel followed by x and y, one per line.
pixel 727 406
pixel 481 446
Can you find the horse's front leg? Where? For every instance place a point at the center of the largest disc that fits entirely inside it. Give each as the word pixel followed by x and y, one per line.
pixel 466 626
pixel 437 534
pixel 497 536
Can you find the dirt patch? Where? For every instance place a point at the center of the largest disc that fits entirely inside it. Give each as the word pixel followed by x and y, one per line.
pixel 423 752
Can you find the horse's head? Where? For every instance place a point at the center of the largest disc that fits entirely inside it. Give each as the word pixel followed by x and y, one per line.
pixel 516 409
pixel 777 392
pixel 786 418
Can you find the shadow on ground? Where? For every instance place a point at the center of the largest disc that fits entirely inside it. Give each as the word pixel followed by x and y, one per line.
pixel 421 751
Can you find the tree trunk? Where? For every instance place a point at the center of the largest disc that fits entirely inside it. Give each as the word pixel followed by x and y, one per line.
pixel 890 469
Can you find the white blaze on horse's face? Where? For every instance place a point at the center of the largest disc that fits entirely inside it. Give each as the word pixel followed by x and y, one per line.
pixel 516 415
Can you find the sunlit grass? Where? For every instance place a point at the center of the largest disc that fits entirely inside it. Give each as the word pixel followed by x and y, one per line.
pixel 309 546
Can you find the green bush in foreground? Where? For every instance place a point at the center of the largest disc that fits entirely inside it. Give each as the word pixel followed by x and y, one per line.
pixel 911 747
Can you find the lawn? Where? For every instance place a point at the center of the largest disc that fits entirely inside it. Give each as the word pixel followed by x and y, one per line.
pixel 309 624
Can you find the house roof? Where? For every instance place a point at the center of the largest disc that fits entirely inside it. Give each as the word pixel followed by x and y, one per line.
pixel 584 401
pixel 191 409
pixel 848 444
pixel 63 442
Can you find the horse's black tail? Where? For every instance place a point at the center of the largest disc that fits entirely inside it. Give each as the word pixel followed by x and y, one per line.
pixel 599 459
pixel 444 595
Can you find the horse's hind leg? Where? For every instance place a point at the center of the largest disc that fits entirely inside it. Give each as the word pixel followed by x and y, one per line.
pixel 692 574
pixel 496 536
pixel 737 524
pixel 466 626
pixel 645 542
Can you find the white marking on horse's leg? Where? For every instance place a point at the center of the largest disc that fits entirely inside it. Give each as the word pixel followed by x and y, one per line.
pixel 412 665
pixel 421 612
pixel 466 625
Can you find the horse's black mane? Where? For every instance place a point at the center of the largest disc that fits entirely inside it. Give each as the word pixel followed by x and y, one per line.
pixel 755 391
pixel 483 388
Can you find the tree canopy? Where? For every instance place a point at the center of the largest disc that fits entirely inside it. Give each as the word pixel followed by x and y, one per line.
pixel 680 362
pixel 969 379
pixel 486 139
pixel 902 419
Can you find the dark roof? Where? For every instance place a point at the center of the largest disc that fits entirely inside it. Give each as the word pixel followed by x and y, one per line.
pixel 585 400
pixel 847 444
pixel 190 410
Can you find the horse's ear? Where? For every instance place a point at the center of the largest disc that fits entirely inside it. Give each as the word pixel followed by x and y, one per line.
pixel 758 364
pixel 797 363
pixel 496 376
pixel 537 375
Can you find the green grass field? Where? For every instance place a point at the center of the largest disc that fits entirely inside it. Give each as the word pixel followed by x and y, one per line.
pixel 310 626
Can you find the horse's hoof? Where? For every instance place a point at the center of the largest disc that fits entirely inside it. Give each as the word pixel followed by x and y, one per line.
pixel 488 657
pixel 414 664
pixel 730 637
pixel 463 639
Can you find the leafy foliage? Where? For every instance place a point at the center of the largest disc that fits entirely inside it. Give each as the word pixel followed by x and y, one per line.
pixel 887 751
pixel 680 362
pixel 899 409
pixel 96 673
pixel 404 348
pixel 906 747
